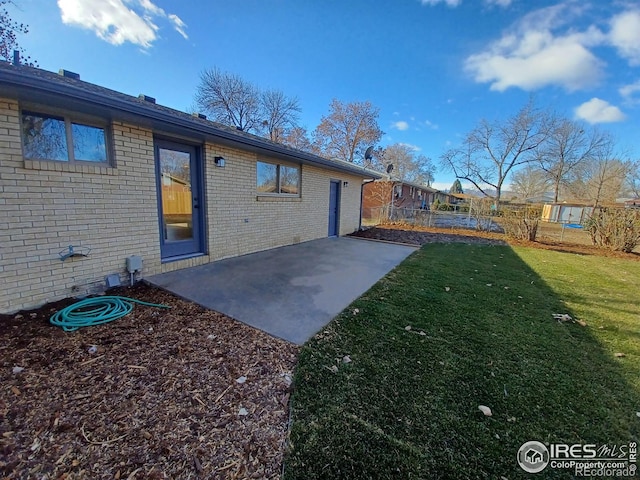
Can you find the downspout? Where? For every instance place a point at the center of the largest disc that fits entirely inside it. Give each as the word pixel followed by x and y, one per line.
pixel 362 200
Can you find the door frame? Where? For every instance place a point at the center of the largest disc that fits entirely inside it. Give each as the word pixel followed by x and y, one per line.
pixel 170 251
pixel 336 223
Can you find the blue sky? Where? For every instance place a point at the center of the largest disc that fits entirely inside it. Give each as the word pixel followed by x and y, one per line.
pixel 434 68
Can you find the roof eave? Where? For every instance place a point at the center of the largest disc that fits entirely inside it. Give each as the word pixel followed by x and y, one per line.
pixel 21 84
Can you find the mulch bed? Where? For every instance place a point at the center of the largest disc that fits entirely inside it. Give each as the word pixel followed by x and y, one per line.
pixel 179 393
pixel 419 235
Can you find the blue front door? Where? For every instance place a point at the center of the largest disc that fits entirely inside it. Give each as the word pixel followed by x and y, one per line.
pixel 334 202
pixel 179 199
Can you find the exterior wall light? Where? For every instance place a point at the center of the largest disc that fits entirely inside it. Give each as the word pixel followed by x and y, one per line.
pixel 345 184
pixel 219 161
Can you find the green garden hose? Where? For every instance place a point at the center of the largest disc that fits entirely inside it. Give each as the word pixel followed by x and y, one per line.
pixel 94 311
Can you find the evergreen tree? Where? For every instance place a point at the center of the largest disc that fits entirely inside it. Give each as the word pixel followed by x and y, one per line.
pixel 456 187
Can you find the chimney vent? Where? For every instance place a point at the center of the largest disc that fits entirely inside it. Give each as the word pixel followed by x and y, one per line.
pixel 201 116
pixel 69 74
pixel 146 98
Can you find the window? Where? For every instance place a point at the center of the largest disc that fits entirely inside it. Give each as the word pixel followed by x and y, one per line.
pixel 52 137
pixel 278 179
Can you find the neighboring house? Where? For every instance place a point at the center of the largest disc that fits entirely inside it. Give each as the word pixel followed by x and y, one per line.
pixel 387 198
pixel 460 198
pixel 116 176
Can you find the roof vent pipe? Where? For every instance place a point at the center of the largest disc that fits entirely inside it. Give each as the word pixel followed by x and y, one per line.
pixel 68 74
pixel 201 116
pixel 146 98
pixel 16 57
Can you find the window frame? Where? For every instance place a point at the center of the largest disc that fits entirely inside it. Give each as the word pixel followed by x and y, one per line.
pixel 69 119
pixel 279 192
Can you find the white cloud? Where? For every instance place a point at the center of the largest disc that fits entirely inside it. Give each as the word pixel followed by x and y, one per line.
pixel 400 125
pixel 629 91
pixel 410 146
pixel 149 7
pixel 119 21
pixel 599 111
pixel 449 3
pixel 431 125
pixel 456 3
pixel 534 53
pixel 625 35
pixel 178 24
pixel 499 3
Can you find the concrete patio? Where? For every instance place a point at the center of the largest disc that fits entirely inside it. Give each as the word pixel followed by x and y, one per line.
pixel 290 292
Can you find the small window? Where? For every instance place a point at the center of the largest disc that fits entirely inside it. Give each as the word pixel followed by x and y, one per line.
pixel 44 137
pixel 275 179
pixel 89 143
pixel 267 178
pixel 50 137
pixel 289 180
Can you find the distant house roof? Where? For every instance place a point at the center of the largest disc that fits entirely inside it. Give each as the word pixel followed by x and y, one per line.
pixel 463 196
pixel 57 90
pixel 387 178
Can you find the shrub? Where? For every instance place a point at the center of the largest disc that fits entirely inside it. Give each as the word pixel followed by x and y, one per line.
pixel 521 223
pixel 480 209
pixel 616 229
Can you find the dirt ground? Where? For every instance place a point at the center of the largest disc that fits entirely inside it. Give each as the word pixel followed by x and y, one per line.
pixel 180 393
pixel 550 238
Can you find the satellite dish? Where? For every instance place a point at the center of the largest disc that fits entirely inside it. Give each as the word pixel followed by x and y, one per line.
pixel 390 168
pixel 368 154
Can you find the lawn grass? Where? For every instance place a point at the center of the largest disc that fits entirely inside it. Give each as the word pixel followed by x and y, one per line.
pixel 482 333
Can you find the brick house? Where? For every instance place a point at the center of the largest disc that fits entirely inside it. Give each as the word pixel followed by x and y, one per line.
pixel 115 176
pixel 385 198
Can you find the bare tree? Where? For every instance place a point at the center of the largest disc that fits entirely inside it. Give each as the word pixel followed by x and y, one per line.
pixel 492 150
pixel 279 113
pixel 347 130
pixel 601 179
pixel 229 99
pixel 297 137
pixel 9 31
pixel 530 182
pixel 633 179
pixel 379 194
pixel 408 165
pixel 568 146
